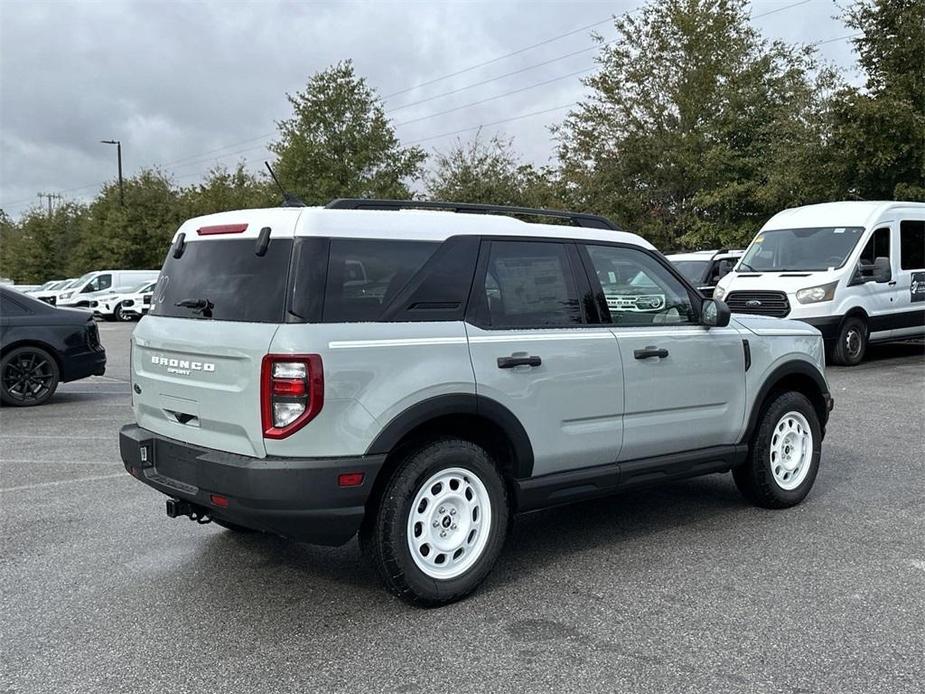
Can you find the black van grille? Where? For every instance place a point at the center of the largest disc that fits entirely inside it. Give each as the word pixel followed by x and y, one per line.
pixel 759 303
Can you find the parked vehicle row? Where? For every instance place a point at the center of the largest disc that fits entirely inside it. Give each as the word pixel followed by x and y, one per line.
pixel 124 304
pixel 42 346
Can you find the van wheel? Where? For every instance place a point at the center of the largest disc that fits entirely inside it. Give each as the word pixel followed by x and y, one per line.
pixel 784 456
pixel 28 376
pixel 440 524
pixel 852 342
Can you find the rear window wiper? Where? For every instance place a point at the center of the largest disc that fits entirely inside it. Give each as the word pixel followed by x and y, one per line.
pixel 203 306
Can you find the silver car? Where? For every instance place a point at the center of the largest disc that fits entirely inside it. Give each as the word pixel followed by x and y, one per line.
pixel 418 373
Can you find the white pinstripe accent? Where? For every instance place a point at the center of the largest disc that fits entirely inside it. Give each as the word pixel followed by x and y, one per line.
pixel 543 337
pixel 402 342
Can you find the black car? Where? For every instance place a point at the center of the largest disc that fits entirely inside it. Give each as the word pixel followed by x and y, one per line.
pixel 42 346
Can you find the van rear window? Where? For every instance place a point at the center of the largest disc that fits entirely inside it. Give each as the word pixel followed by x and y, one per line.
pixel 225 280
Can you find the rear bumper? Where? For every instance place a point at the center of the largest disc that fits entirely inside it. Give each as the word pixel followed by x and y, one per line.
pixel 298 498
pixel 90 362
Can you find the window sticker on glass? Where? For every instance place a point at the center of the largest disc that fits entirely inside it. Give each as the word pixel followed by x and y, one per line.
pixel 839 230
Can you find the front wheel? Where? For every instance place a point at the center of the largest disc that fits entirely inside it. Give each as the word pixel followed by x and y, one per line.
pixel 440 524
pixel 120 315
pixel 852 342
pixel 785 453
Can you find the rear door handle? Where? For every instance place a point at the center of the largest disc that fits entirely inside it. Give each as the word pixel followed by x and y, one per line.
pixel 891 284
pixel 650 351
pixel 511 362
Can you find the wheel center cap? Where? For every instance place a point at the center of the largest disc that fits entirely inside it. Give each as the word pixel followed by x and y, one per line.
pixel 446 522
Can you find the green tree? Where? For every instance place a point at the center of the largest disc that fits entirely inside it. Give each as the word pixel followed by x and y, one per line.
pixel 224 190
pixel 38 248
pixel 134 236
pixel 489 172
pixel 696 129
pixel 339 143
pixel 878 132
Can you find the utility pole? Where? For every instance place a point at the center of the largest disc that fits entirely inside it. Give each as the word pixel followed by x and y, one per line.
pixel 49 197
pixel 118 144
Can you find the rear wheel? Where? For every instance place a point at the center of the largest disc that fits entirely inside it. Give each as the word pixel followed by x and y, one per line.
pixel 28 376
pixel 785 452
pixel 852 342
pixel 120 315
pixel 440 524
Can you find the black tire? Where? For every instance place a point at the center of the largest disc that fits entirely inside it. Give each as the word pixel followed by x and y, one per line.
pixel 756 478
pixel 233 527
pixel 384 535
pixel 119 315
pixel 28 376
pixel 851 344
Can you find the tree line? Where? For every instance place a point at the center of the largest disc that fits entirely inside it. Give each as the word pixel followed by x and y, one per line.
pixel 695 130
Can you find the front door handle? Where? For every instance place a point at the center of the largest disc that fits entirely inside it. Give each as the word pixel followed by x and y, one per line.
pixel 511 362
pixel 891 283
pixel 650 351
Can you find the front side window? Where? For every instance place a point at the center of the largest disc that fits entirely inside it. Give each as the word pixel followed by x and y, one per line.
pixel 800 250
pixel 878 246
pixel 693 270
pixel 98 283
pixel 364 275
pixel 638 289
pixel 912 244
pixel 529 284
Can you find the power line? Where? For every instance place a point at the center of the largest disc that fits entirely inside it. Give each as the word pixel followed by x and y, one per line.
pixel 493 98
pixel 781 9
pixel 497 122
pixel 499 58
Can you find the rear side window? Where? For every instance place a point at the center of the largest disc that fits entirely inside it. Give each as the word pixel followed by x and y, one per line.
pixel 365 275
pixel 8 307
pixel 530 284
pixel 225 280
pixel 912 244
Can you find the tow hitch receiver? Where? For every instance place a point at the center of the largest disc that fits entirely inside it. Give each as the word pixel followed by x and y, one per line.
pixel 178 507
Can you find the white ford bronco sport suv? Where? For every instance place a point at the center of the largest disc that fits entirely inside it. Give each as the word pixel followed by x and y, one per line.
pixel 418 376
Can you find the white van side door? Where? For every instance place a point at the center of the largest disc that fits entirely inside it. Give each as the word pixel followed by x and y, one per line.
pixel 909 274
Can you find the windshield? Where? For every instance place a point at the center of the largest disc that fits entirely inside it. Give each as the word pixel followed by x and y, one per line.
pixel 786 250
pixel 225 280
pixel 693 270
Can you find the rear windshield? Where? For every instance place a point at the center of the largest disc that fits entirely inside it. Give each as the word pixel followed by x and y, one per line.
pixel 224 279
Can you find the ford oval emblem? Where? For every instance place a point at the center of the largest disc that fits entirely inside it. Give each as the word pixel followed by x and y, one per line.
pixel 753 303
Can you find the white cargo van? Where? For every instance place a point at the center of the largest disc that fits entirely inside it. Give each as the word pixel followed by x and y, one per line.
pixel 87 288
pixel 854 270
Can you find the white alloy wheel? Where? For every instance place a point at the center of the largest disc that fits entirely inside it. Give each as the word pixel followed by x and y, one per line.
pixel 791 450
pixel 449 523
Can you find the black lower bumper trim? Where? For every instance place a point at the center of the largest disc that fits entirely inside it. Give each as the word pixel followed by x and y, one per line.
pixel 298 498
pixel 827 325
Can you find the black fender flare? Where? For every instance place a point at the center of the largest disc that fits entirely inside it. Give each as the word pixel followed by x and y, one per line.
pixel 795 367
pixel 459 404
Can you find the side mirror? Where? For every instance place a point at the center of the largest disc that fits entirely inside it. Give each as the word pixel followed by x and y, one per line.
pixel 882 270
pixel 714 313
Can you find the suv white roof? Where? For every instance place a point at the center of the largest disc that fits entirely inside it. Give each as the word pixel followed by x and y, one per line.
pixel 423 225
pixel 849 213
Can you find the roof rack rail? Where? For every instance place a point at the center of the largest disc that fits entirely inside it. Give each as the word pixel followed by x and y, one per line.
pixel 578 219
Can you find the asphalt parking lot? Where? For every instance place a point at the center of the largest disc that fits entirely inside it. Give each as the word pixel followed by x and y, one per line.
pixel 681 588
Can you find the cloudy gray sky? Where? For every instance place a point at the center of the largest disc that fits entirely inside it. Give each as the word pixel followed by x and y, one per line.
pixel 188 85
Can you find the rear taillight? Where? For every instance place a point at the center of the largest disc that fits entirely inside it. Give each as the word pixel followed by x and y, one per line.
pixel 291 392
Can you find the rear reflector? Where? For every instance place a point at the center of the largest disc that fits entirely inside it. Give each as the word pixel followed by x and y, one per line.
pixel 222 229
pixel 219 500
pixel 350 479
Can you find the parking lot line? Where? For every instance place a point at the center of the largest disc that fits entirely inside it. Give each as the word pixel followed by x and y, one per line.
pixel 58 483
